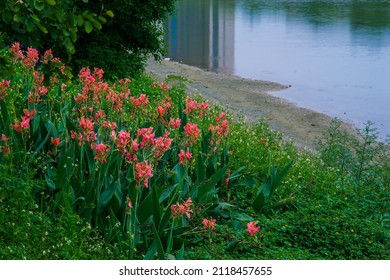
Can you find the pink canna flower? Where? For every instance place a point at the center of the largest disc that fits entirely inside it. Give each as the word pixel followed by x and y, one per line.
pixel 55 141
pixel 123 141
pixel 161 111
pixel 174 123
pixel 192 131
pixel 252 228
pixel 146 136
pixel 5 147
pixel 209 223
pixel 161 145
pixel 101 152
pixel 31 57
pixel 16 51
pixel 4 86
pixel 143 171
pixel 221 129
pixel 47 56
pixel 141 101
pixel 203 109
pixel 24 125
pixel 180 209
pixel 86 124
pixel 191 106
pixel 184 157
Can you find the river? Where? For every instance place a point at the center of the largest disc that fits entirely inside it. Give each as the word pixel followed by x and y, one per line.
pixel 334 54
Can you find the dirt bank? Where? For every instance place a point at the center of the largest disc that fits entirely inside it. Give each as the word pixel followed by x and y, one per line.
pixel 249 98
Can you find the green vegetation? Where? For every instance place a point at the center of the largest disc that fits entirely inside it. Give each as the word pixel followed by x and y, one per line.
pixel 137 170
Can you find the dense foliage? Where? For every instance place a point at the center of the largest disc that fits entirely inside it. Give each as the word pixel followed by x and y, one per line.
pixel 114 35
pixel 137 169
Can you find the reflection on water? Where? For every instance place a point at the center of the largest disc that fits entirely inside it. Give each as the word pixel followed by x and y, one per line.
pixel 202 34
pixel 335 54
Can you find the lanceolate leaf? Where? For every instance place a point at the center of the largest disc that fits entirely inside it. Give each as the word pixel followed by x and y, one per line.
pixel 105 197
pixel 267 188
pixel 204 191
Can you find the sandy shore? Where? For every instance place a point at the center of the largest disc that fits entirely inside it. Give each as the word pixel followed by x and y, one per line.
pixel 250 99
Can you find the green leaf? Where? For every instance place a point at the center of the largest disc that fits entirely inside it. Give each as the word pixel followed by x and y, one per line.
pixel 166 193
pixel 79 20
pixel 88 26
pixel 39 5
pixel 42 28
pixel 180 254
pixel 51 2
pixel 105 197
pixel 267 188
pixel 145 209
pixel 96 24
pixel 151 252
pixel 102 19
pixel 110 13
pixel 165 219
pixel 5 119
pixel 236 173
pixel 205 190
pixel 200 169
pixel 156 206
pixel 69 46
pixel 88 153
pixel 157 241
pixel 259 202
pixel 65 168
pixel 16 18
pixel 50 183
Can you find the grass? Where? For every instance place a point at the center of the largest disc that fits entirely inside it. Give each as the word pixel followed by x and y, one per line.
pixel 332 204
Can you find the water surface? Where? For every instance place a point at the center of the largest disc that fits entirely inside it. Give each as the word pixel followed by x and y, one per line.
pixel 334 54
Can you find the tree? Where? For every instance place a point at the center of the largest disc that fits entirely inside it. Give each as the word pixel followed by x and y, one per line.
pixel 127 39
pixel 116 35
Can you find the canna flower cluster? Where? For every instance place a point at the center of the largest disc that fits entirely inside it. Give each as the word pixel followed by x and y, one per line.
pixel 87 133
pixel 101 152
pixel 252 228
pixel 221 129
pixel 5 146
pixel 193 106
pixel 174 123
pixel 191 130
pixel 39 90
pixel 180 209
pixel 143 171
pixel 24 125
pixel 209 223
pixel 184 157
pixel 4 86
pixel 31 58
pixel 162 85
pixel 163 108
pixel 141 101
pixel 98 124
pixel 93 86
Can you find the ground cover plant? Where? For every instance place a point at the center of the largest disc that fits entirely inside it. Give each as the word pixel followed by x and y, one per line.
pixel 134 169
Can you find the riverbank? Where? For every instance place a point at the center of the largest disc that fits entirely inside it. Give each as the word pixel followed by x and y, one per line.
pixel 249 99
